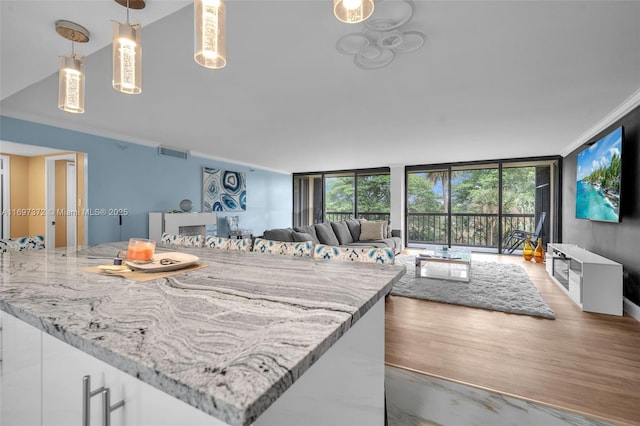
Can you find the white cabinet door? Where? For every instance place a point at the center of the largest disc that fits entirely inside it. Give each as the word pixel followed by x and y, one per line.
pixel 21 372
pixel 63 370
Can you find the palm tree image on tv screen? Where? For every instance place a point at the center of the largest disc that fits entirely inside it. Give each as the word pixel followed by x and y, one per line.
pixel 598 179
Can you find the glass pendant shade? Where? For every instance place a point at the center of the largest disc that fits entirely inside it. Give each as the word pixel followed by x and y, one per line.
pixel 71 84
pixel 210 41
pixel 127 58
pixel 352 11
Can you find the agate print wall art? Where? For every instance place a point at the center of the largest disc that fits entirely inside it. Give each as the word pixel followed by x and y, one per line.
pixel 223 190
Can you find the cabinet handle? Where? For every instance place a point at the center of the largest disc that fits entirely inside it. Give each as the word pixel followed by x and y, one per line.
pixel 107 408
pixel 87 394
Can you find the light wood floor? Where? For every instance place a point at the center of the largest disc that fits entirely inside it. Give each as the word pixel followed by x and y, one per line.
pixel 580 362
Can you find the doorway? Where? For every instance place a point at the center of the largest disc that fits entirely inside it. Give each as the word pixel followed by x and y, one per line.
pixel 60 201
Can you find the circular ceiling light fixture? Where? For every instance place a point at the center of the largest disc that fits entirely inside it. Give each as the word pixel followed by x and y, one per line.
pixel 382 37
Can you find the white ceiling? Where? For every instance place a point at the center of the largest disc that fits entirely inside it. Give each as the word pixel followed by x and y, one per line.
pixel 495 79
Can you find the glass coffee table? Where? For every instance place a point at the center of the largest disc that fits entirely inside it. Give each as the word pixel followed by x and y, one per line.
pixel 447 264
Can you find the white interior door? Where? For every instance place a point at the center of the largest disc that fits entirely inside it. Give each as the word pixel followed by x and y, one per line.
pixel 71 204
pixel 5 224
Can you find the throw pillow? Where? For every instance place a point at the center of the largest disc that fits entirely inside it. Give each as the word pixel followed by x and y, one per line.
pixel 302 236
pixel 281 234
pixel 326 234
pixel 309 229
pixel 371 231
pixel 354 228
pixel 342 232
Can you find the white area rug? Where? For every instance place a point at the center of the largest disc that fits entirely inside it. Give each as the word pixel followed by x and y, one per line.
pixel 504 287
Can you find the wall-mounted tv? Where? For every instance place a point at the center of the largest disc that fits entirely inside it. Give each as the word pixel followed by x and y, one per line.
pixel 598 179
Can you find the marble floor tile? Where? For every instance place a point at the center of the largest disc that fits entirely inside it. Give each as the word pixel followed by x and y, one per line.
pixel 418 400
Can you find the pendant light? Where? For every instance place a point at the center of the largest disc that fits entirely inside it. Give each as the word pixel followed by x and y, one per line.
pixel 352 11
pixel 71 73
pixel 127 52
pixel 210 40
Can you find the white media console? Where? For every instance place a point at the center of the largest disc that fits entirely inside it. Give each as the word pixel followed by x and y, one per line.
pixel 593 282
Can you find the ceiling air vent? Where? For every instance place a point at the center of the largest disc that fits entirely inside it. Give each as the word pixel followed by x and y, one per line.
pixel 171 152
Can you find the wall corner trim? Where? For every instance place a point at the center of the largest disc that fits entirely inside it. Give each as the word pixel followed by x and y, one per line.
pixel 623 109
pixel 631 308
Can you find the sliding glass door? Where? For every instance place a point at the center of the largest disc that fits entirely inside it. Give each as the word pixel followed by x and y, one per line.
pixel 428 206
pixel 477 204
pixel 474 205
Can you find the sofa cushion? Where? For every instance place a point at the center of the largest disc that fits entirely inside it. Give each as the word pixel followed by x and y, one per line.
pixel 303 236
pixel 371 231
pixel 341 229
pixel 287 248
pixel 309 229
pixel 354 228
pixel 372 243
pixel 382 255
pixel 281 234
pixel 325 234
pixel 244 244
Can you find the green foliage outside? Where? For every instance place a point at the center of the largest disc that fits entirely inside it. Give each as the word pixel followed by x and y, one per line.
pixel 474 202
pixel 374 196
pixel 472 192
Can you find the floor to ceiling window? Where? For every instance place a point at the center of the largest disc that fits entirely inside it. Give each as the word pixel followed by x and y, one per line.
pixel 477 204
pixel 335 196
pixel 428 206
pixel 474 205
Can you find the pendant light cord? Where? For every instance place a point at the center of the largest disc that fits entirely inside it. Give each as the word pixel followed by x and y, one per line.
pixel 127 11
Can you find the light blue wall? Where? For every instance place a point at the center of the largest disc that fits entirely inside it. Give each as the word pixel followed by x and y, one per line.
pixel 125 175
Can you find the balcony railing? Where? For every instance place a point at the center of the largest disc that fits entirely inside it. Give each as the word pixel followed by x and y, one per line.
pixel 338 216
pixel 467 229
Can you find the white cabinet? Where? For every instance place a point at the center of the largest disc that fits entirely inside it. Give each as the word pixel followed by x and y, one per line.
pixel 63 369
pixel 181 223
pixel 62 374
pixel 591 281
pixel 42 384
pixel 21 372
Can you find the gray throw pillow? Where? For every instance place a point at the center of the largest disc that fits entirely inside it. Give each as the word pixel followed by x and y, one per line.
pixel 354 228
pixel 282 234
pixel 326 235
pixel 302 236
pixel 342 232
pixel 309 229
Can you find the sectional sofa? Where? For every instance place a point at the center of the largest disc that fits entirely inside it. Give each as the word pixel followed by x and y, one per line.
pixel 346 233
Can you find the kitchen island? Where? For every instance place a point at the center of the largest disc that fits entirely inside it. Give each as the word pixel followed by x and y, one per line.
pixel 235 340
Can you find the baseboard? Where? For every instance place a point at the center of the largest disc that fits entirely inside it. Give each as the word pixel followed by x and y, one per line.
pixel 631 308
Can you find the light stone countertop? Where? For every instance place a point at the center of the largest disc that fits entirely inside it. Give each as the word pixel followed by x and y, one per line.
pixel 228 339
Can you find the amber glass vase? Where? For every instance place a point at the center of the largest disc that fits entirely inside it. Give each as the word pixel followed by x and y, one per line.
pixel 538 253
pixel 527 251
